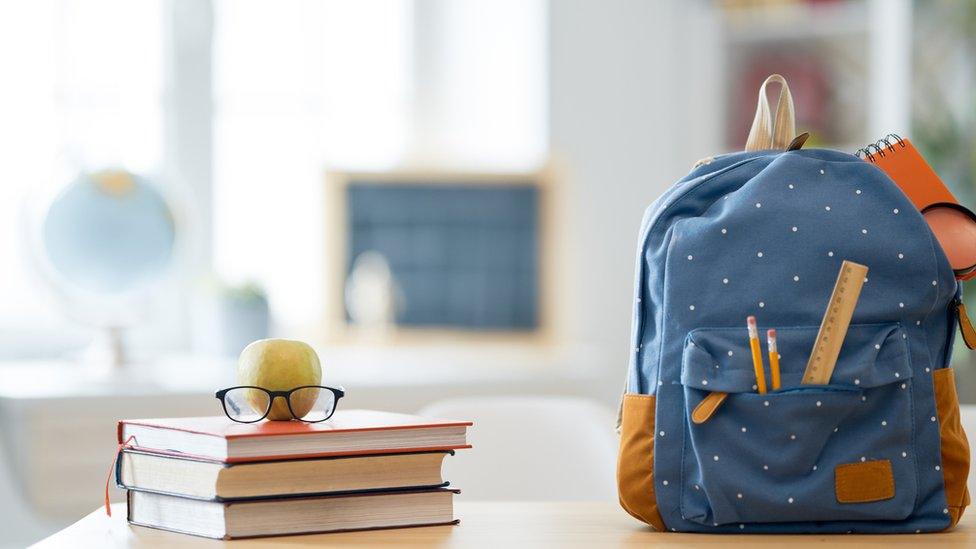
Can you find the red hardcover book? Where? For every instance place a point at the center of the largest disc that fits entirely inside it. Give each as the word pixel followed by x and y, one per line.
pixel 348 432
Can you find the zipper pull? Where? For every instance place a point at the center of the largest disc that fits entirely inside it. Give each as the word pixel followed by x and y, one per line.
pixel 798 142
pixel 707 407
pixel 965 325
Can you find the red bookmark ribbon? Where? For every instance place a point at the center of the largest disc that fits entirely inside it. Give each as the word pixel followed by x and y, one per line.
pixel 111 472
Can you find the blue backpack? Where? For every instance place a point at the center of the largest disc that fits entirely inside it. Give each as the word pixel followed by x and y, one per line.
pixel 880 448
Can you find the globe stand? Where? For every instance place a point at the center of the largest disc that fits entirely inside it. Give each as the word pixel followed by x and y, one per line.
pixel 106 354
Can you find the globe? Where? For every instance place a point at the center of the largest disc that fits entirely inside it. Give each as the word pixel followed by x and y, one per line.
pixel 108 232
pixel 106 239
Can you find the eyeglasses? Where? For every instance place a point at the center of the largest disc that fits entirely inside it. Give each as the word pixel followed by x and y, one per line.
pixel 309 403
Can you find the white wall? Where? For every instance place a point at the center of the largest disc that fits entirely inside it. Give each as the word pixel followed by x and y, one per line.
pixel 633 104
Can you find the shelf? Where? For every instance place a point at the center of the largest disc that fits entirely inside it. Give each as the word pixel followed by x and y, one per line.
pixel 795 22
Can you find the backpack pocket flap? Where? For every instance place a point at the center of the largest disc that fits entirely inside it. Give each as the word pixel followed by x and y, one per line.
pixel 772 457
pixel 720 359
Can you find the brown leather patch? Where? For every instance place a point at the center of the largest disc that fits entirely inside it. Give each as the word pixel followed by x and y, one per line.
pixel 635 464
pixel 955 447
pixel 864 481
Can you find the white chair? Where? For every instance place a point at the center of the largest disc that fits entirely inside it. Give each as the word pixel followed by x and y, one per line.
pixel 532 448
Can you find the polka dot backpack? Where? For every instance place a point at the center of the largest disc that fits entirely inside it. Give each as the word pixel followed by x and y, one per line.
pixel 880 448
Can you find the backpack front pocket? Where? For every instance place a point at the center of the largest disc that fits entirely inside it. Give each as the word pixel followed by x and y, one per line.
pixel 843 451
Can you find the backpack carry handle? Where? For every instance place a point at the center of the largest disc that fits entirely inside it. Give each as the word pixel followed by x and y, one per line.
pixel 765 133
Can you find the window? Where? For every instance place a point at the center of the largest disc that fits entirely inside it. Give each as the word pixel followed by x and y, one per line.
pixel 298 85
pixel 80 91
pixel 301 86
pixel 286 105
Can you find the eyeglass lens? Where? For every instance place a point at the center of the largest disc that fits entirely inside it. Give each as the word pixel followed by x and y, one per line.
pixel 312 403
pixel 247 404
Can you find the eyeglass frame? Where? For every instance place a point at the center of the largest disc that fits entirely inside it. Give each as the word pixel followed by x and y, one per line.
pixel 336 392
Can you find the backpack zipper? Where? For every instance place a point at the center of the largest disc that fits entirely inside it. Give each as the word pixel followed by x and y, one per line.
pixel 652 217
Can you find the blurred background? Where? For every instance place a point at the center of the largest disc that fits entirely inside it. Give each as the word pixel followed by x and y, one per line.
pixel 442 197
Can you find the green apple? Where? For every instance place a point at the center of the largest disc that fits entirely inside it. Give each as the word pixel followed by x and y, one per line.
pixel 280 365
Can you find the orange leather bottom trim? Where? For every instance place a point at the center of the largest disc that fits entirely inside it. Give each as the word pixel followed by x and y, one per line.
pixel 955 447
pixel 635 464
pixel 862 482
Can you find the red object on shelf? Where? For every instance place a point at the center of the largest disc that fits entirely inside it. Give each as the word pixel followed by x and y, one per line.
pixel 348 432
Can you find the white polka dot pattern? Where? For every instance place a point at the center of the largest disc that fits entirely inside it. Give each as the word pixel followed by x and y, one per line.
pixel 770 244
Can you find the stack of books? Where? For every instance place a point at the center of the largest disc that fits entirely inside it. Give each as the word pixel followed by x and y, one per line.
pixel 362 469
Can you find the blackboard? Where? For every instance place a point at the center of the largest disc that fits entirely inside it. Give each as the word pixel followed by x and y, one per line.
pixel 464 255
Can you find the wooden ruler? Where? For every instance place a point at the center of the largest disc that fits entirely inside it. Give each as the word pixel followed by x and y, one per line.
pixel 835 322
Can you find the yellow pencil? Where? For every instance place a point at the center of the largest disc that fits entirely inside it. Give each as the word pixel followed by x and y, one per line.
pixel 773 358
pixel 757 361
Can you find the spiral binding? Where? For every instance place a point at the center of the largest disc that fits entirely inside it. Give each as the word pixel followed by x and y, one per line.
pixel 880 146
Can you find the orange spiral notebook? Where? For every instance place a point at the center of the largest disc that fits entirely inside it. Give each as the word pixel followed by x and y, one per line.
pixel 953 224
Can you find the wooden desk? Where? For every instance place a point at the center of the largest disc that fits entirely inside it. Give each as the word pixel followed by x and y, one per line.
pixel 497 525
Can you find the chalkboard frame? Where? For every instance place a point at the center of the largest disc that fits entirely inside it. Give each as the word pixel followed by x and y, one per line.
pixel 336 239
